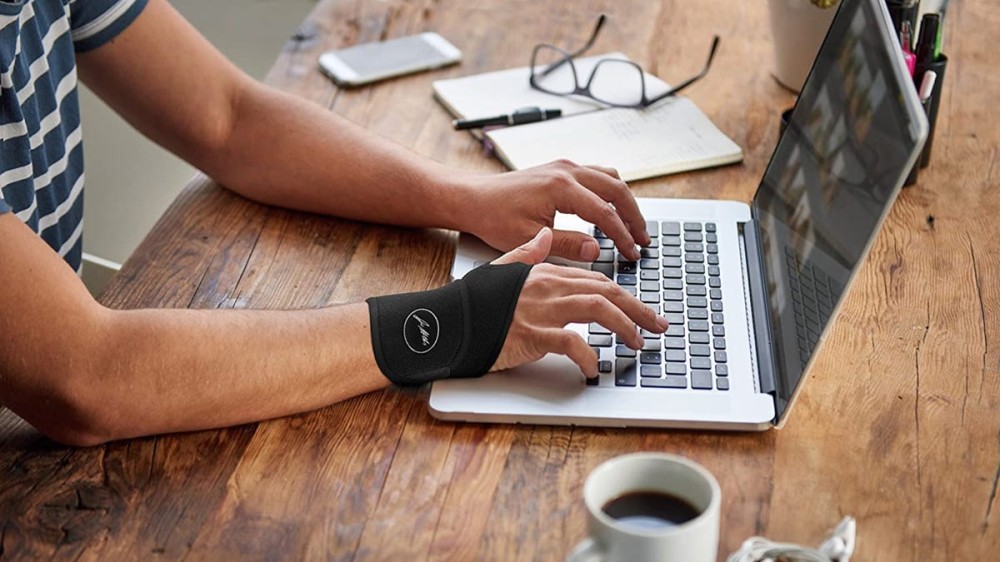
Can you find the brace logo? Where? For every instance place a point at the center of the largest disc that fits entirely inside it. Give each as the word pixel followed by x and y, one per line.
pixel 421 330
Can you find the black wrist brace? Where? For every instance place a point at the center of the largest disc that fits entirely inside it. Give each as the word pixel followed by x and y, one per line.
pixel 455 331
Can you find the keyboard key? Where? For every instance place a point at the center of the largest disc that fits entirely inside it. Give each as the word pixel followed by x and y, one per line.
pixel 713 259
pixel 608 269
pixel 712 248
pixel 652 229
pixel 674 343
pixel 604 366
pixel 697 302
pixel 596 328
pixel 713 270
pixel 649 275
pixel 666 382
pixel 718 331
pixel 719 343
pixel 697 314
pixel 696 290
pixel 630 289
pixel 650 344
pixel 671 262
pixel 649 297
pixel 698 337
pixel 671 241
pixel 673 307
pixel 673 295
pixel 649 286
pixel 672 284
pixel 671 252
pixel 598 233
pixel 655 307
pixel 695 279
pixel 698 326
pixel 692 258
pixel 674 318
pixel 624 351
pixel 676 368
pixel 650 371
pixel 675 330
pixel 716 306
pixel 596 381
pixel 605 243
pixel 675 356
pixel 647 334
pixel 649 253
pixel 670 228
pixel 701 363
pixel 709 227
pixel 625 372
pixel 650 358
pixel 647 263
pixel 692 237
pixel 722 384
pixel 693 247
pixel 722 370
pixel 627 267
pixel 626 279
pixel 599 341
pixel 694 268
pixel 701 380
pixel 605 256
pixel 714 282
pixel 672 273
pixel 692 227
pixel 700 351
pixel 718 318
pixel 721 357
pixel 711 238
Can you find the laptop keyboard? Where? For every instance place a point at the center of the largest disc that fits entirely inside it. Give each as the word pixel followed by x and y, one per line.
pixel 679 277
pixel 814 293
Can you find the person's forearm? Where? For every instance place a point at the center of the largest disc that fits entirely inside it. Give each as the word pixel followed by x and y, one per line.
pixel 289 152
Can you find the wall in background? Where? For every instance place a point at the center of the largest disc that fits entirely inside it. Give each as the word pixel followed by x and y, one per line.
pixel 130 180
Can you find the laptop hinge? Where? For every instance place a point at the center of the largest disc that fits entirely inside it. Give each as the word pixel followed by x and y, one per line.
pixel 760 313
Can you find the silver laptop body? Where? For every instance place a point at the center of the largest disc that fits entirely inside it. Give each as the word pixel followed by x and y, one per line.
pixel 750 289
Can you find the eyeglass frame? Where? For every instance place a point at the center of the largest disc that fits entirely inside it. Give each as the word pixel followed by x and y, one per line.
pixel 585 90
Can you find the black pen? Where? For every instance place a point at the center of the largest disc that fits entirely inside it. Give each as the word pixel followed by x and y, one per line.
pixel 519 117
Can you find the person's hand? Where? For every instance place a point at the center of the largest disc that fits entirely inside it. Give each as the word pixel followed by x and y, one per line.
pixel 554 296
pixel 507 210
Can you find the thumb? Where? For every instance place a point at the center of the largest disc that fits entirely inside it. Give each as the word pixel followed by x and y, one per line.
pixel 531 252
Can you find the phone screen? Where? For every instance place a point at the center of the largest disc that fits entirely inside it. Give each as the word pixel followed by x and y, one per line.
pixel 391 56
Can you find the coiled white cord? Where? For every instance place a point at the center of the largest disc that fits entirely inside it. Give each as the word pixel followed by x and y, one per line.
pixel 838 548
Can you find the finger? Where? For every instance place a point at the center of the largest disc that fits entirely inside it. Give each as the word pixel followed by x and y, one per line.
pixel 531 252
pixel 633 308
pixel 575 246
pixel 584 203
pixel 606 183
pixel 571 345
pixel 584 309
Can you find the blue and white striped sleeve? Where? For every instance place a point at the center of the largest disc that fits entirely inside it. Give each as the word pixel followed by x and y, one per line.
pixel 95 22
pixel 4 207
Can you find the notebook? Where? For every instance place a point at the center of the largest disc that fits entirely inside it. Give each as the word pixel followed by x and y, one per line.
pixel 672 136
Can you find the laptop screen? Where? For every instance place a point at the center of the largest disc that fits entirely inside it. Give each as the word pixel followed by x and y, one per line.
pixel 835 171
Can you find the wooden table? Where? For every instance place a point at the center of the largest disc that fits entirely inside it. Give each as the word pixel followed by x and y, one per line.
pixel 899 424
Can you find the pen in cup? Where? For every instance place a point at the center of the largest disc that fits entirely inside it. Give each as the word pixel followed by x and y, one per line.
pixel 519 117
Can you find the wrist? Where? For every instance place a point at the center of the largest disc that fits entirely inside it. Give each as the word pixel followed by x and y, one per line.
pixel 459 198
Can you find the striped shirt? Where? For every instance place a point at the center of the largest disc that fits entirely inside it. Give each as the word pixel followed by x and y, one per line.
pixel 41 155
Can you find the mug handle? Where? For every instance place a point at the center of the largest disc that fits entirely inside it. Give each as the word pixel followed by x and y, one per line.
pixel 587 551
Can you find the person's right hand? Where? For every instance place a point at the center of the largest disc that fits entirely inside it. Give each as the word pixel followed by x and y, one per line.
pixel 554 296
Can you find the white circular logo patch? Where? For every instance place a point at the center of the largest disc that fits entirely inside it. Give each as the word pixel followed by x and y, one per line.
pixel 421 330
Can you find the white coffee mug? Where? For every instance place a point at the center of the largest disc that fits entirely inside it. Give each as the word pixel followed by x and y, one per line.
pixel 612 540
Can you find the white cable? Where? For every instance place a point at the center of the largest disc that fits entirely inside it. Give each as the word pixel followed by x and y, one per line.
pixel 837 548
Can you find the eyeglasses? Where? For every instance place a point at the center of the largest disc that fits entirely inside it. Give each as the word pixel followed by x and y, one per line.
pixel 614 82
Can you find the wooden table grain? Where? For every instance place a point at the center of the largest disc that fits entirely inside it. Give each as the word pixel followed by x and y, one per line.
pixel 899 423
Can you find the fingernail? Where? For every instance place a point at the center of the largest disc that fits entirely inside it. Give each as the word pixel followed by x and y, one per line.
pixel 589 250
pixel 635 253
pixel 664 324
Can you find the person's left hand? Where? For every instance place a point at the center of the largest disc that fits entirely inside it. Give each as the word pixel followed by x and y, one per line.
pixel 508 209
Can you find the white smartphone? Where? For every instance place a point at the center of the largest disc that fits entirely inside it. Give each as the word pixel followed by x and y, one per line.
pixel 370 62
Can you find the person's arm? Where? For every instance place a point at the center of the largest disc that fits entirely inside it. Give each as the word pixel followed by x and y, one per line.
pixel 273 147
pixel 84 374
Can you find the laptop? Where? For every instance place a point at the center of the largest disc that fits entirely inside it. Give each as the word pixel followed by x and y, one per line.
pixel 750 290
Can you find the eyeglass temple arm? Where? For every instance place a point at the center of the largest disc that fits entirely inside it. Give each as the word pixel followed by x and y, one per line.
pixel 693 79
pixel 581 50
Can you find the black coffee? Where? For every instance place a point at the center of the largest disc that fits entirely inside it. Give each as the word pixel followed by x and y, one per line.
pixel 650 510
